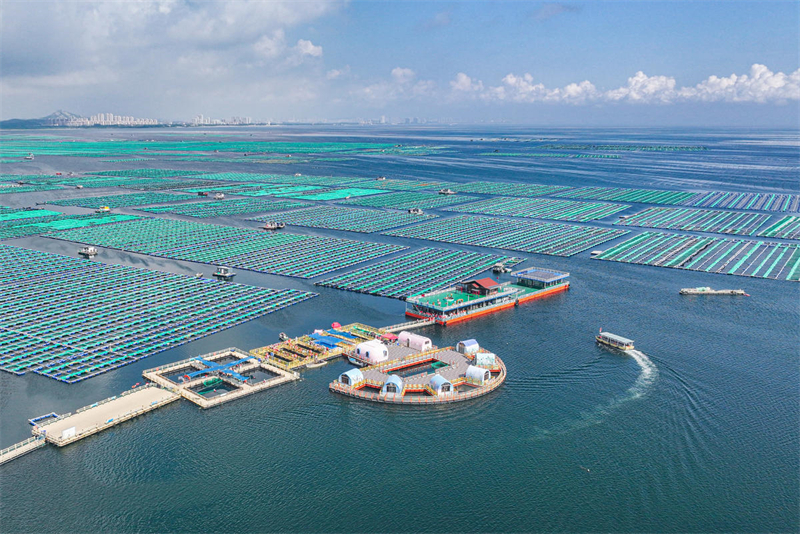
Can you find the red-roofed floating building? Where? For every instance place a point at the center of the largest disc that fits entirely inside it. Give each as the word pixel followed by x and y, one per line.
pixel 474 298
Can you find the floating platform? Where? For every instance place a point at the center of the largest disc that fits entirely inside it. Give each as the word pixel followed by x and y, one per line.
pixel 541 208
pixel 347 219
pixel 716 221
pixel 424 377
pixel 71 427
pixel 219 377
pixel 476 298
pixel 21 448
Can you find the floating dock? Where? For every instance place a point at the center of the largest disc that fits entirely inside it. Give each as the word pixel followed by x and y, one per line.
pixel 23 447
pixel 71 427
pixel 418 375
pixel 475 298
pixel 219 377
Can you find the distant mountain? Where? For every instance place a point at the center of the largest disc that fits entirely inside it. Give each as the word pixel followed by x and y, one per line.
pixel 57 118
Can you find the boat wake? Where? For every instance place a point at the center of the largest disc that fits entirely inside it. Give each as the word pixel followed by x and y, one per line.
pixel 644 382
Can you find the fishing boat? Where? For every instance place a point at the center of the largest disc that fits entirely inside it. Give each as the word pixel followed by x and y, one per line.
pixel 415 211
pixel 380 178
pixel 29 157
pixel 198 275
pixel 614 341
pixel 224 273
pixel 87 252
pixel 272 225
pixel 202 193
pixel 78 186
pixel 102 209
pixel 446 191
pixel 316 363
pixel 500 268
pixel 709 291
pixel 219 196
pixel 283 337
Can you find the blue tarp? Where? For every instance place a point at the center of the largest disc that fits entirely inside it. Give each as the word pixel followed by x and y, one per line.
pixel 326 341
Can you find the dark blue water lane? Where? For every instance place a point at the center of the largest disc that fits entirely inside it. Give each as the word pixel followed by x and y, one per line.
pixel 699 433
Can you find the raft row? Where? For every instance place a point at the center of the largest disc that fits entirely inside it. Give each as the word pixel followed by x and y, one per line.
pixel 225 208
pixel 508 189
pixel 51 223
pixel 759 259
pixel 541 208
pixel 721 222
pixel 621 194
pixel 284 254
pixel 121 201
pixel 71 319
pixel 333 194
pixel 409 199
pixel 555 239
pixel 416 272
pixel 348 219
pixel 785 228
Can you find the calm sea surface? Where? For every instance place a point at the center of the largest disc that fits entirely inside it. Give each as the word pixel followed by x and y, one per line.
pixel 698 435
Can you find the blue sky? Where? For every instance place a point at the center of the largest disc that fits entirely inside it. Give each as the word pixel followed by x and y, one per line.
pixel 626 63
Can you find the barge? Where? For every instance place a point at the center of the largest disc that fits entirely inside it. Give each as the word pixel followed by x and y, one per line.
pixel 474 298
pixel 709 291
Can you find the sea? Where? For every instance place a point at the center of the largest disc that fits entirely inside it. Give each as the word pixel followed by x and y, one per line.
pixel 698 432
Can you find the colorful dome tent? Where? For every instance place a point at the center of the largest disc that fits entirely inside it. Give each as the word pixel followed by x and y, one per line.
pixel 393 384
pixel 478 375
pixel 351 377
pixel 414 341
pixel 468 346
pixel 485 359
pixel 440 385
pixel 373 351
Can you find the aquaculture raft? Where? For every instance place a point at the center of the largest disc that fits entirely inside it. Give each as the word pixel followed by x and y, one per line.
pixel 412 199
pixel 759 259
pixel 121 201
pixel 70 319
pixel 225 208
pixel 348 219
pixel 508 189
pixel 722 222
pixel 541 208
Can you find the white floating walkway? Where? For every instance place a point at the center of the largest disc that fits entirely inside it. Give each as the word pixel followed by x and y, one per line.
pixel 23 447
pixel 71 427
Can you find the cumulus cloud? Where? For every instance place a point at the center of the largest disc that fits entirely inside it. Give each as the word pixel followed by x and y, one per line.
pixel 334 74
pixel 464 84
pixel 307 48
pixel 762 85
pixel 271 45
pixel 401 85
pixel 644 88
pixel 402 76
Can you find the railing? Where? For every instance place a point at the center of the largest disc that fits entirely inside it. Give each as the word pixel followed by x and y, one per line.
pixel 21 444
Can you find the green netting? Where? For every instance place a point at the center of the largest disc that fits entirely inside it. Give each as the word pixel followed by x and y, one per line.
pixel 508 189
pixel 224 208
pixel 333 194
pixel 120 201
pixel 723 222
pixel 541 208
pixel 408 200
pixel 349 219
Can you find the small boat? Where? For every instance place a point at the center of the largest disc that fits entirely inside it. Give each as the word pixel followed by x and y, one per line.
pixel 78 186
pixel 380 178
pixel 283 337
pixel 316 363
pixel 224 273
pixel 709 291
pixel 614 341
pixel 202 193
pixel 219 196
pixel 499 268
pixel 198 275
pixel 29 157
pixel 446 191
pixel 415 211
pixel 102 209
pixel 88 252
pixel 596 252
pixel 272 225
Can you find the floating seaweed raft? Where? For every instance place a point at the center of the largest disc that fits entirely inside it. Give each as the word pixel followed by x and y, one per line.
pixel 759 259
pixel 541 208
pixel 35 222
pixel 509 189
pixel 225 208
pixel 419 271
pixel 785 228
pixel 333 194
pixel 349 219
pixel 244 248
pixel 411 199
pixel 722 222
pixel 537 237
pixel 72 319
pixel 746 201
pixel 406 185
pixel 621 194
pixel 416 373
pixel 121 201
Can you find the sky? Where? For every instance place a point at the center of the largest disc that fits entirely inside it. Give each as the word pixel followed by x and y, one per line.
pixel 645 63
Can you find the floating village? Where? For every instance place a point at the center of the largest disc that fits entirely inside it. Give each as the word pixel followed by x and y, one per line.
pixel 74 316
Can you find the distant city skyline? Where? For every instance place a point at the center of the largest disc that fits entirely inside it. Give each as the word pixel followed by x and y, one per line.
pixel 548 63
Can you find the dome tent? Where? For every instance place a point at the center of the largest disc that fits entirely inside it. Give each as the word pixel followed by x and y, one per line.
pixel 353 376
pixel 393 384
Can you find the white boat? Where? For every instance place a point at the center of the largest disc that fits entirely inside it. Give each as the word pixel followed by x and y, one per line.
pixel 219 196
pixel 78 186
pixel 198 275
pixel 415 211
pixel 272 225
pixel 316 364
pixel 614 341
pixel 709 291
pixel 380 178
pixel 446 191
pixel 87 252
pixel 29 157
pixel 283 337
pixel 224 273
pixel 102 209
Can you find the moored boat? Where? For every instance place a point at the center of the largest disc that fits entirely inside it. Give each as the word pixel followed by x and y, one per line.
pixel 614 341
pixel 709 291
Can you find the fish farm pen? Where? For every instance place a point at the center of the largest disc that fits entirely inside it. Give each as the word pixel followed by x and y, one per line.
pixel 621 194
pixel 423 377
pixel 408 200
pixel 348 219
pixel 548 155
pixel 555 239
pixel 121 201
pixel 39 224
pixel 785 228
pixel 508 189
pixel 16 188
pixel 71 319
pixel 222 376
pixel 746 201
pixel 148 173
pixel 283 179
pixel 224 208
pixel 253 189
pixel 406 185
pixel 333 194
pixel 416 272
pixel 625 148
pixel 245 248
pixel 720 222
pixel 541 208
pixel 758 259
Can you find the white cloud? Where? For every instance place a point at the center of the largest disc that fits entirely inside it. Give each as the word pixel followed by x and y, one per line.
pixel 271 45
pixel 762 85
pixel 464 84
pixel 402 76
pixel 334 74
pixel 307 48
pixel 645 89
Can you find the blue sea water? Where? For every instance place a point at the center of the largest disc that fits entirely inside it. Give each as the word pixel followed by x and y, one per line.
pixel 698 434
